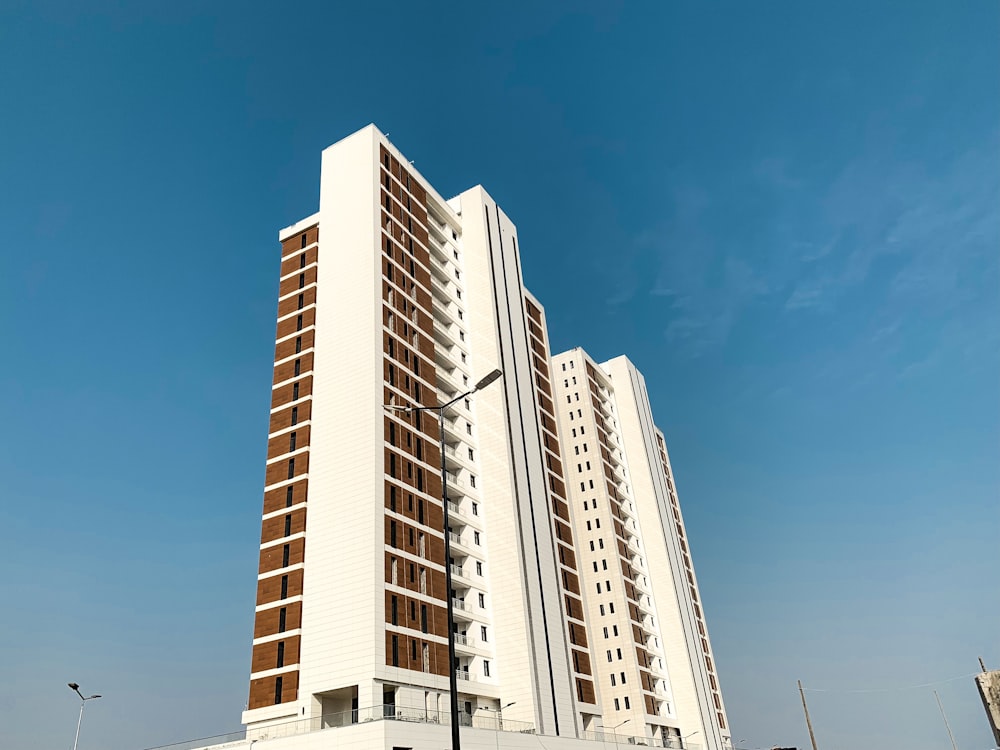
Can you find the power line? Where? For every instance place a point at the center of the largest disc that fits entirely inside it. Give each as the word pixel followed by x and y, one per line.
pixel 890 689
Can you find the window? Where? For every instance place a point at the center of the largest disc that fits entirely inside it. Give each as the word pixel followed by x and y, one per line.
pixel 291 468
pixel 475 509
pixel 475 537
pixel 623 682
pixel 611 607
pixel 286 552
pixel 486 667
pixel 289 492
pixel 471 455
pixel 395 650
pixel 482 633
pixel 291 442
pixel 393 542
pixel 626 702
pixel 284 587
pixel 614 629
pixel 298 323
pixel 395 611
pixel 479 568
pixel 617 707
pixel 304 243
pixel 298 344
pixel 613 683
pixel 423 619
pixel 280 661
pixel 302 301
pixel 302 260
pixel 282 619
pixel 298 367
pixel 591 546
pixel 295 392
pixel 472 479
pixel 605 564
pixel 277 690
pixel 468 428
pixel 482 601
pixel 598 587
pixel 605 632
pixel 413 649
pixel 602 610
pixel 609 656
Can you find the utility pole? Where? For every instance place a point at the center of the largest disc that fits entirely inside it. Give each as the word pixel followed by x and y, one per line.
pixel 805 708
pixel 941 708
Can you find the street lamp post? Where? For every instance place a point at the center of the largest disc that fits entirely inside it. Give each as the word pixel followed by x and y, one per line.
pixel 83 702
pixel 499 713
pixel 688 735
pixel 452 675
pixel 614 729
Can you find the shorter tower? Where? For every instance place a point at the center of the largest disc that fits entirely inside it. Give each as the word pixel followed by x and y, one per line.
pixel 652 660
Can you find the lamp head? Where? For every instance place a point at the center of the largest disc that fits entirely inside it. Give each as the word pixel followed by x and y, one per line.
pixel 73 686
pixel 91 697
pixel 488 379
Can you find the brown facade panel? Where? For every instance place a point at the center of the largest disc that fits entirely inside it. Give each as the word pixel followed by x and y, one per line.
pixel 275 654
pixel 279 471
pixel 294 243
pixel 291 415
pixel 288 326
pixel 581 662
pixel 279 498
pixel 585 691
pixel 293 260
pixel 294 346
pixel 262 691
pixel 271 589
pixel 297 389
pixel 287 370
pixel 297 282
pixel 300 301
pixel 293 522
pixel 275 557
pixel 285 443
pixel 269 621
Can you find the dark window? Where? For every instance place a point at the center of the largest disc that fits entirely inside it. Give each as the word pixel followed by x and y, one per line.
pixel 302 301
pixel 295 415
pixel 298 344
pixel 392 433
pixel 286 552
pixel 413 649
pixel 291 468
pixel 420 511
pixel 298 323
pixel 304 240
pixel 302 280
pixel 289 492
pixel 392 498
pixel 277 690
pixel 295 392
pixel 392 534
pixel 288 525
pixel 395 651
pixel 411 537
pixel 298 367
pixel 395 611
pixel 392 464
pixel 420 479
pixel 284 587
pixel 281 654
pixel 302 260
pixel 291 442
pixel 423 617
pixel 282 617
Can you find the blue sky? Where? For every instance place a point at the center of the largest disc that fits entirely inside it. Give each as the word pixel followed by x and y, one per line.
pixel 785 213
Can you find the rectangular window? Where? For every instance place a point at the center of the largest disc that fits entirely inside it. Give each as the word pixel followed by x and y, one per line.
pixel 291 468
pixel 617 707
pixel 289 492
pixel 291 442
pixel 619 654
pixel 302 260
pixel 286 552
pixel 395 611
pixel 392 534
pixel 282 619
pixel 486 668
pixel 277 690
pixel 298 323
pixel 295 392
pixel 475 509
pixel 280 661
pixel 413 649
pixel 423 618
pixel 395 650
pixel 302 301
pixel 609 656
pixel 623 678
pixel 482 633
pixel 482 601
pixel 304 243
pixel 284 587
pixel 298 367
pixel 626 702
pixel 479 568
pixel 298 344
pixel 475 537
pixel 613 682
pixel 288 525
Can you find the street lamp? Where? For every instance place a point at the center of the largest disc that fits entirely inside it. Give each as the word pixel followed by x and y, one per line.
pixel 688 735
pixel 83 702
pixel 499 713
pixel 452 675
pixel 614 729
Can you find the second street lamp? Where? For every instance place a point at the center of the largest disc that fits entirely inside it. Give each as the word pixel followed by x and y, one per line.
pixel 452 674
pixel 83 703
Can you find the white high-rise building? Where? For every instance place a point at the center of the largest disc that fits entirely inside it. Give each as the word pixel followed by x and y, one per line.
pixel 653 664
pixel 392 297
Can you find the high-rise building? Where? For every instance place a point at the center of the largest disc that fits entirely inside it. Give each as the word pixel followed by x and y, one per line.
pixel 392 298
pixel 653 665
